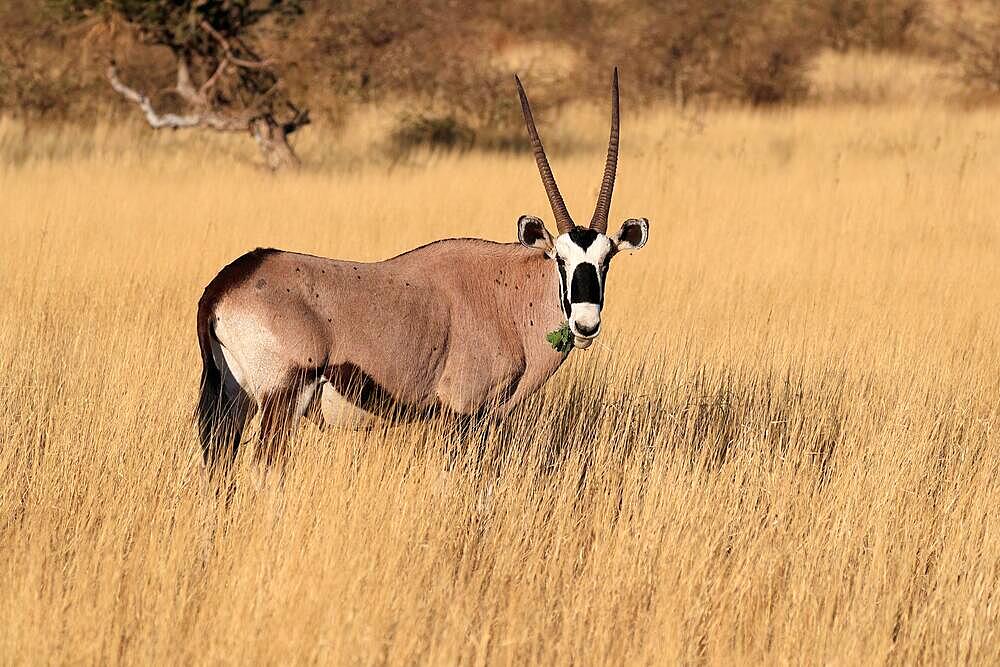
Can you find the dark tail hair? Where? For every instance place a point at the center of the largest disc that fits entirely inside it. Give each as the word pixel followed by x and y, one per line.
pixel 210 399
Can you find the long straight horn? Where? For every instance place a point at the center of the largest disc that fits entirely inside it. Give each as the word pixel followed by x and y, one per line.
pixel 563 222
pixel 603 208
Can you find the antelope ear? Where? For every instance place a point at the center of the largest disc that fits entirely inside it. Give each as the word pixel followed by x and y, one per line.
pixel 633 234
pixel 531 233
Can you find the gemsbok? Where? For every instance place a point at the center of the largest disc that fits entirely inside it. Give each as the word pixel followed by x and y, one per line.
pixel 458 325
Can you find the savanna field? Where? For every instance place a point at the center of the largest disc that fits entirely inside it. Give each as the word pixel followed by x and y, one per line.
pixel 784 447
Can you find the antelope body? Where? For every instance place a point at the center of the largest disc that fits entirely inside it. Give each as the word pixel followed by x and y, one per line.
pixel 458 325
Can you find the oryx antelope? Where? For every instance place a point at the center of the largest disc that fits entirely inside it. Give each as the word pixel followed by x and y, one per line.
pixel 457 325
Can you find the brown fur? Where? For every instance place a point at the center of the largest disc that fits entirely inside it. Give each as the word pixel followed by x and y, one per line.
pixel 457 325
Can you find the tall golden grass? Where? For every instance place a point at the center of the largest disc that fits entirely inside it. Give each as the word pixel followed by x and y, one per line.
pixel 784 448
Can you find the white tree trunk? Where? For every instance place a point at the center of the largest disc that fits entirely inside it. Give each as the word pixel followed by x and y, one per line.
pixel 272 139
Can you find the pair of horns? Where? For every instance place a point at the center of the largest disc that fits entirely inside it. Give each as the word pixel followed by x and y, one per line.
pixel 563 220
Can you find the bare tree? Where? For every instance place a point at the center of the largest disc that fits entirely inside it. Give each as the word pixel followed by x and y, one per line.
pixel 222 83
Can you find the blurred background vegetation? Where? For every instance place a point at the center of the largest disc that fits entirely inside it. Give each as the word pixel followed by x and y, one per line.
pixel 443 66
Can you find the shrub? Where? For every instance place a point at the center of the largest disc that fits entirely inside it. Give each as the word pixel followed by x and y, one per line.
pixel 883 25
pixel 416 130
pixel 752 51
pixel 972 44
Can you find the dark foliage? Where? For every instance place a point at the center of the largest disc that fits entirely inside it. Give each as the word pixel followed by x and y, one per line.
pixel 973 45
pixel 888 24
pixel 449 63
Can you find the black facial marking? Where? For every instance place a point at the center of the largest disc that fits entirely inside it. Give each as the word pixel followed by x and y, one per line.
pixel 562 287
pixel 582 236
pixel 585 287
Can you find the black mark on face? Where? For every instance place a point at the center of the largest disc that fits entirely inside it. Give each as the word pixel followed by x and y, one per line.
pixel 261 283
pixel 585 287
pixel 562 286
pixel 582 237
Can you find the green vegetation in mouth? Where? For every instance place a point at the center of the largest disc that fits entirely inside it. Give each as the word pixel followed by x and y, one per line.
pixel 561 339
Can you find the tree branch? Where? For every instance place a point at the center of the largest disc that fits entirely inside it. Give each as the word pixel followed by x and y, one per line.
pixel 251 64
pixel 300 119
pixel 155 120
pixel 215 121
pixel 232 57
pixel 185 88
pixel 209 84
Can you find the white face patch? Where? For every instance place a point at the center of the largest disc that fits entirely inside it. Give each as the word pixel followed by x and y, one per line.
pixel 582 256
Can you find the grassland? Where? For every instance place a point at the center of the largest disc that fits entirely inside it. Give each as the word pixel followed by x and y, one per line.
pixel 785 447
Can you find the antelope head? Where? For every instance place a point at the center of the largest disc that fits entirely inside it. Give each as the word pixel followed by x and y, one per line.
pixel 582 254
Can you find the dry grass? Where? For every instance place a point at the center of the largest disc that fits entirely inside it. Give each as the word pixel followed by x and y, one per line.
pixel 785 449
pixel 885 78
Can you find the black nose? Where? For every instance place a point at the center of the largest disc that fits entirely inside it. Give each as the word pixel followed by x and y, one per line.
pixel 587 331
